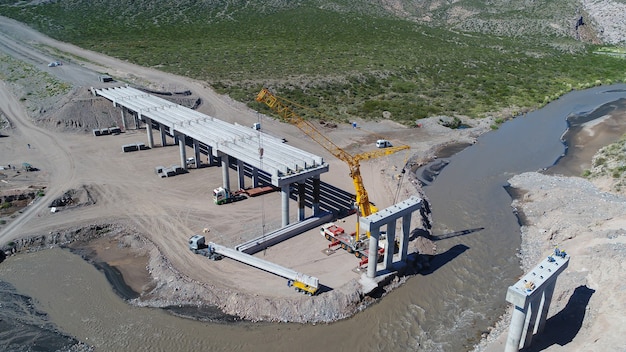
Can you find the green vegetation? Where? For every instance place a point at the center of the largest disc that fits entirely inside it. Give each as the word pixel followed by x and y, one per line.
pixel 6 205
pixel 356 60
pixel 16 71
pixel 610 161
pixel 618 52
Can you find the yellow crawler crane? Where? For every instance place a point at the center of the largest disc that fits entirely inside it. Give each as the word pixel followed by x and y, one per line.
pixel 281 107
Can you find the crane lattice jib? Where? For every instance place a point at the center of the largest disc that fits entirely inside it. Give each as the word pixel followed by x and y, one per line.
pixel 288 115
pixel 365 207
pixel 278 105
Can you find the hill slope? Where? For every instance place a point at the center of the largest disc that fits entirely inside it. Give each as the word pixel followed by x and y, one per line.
pixel 404 59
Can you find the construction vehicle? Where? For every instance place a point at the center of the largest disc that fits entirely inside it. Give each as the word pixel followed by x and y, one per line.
pixel 383 143
pixel 197 244
pixel 302 283
pixel 281 106
pixel 348 242
pixel 222 195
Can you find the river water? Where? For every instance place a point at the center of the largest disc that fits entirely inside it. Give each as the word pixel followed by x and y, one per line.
pixel 445 309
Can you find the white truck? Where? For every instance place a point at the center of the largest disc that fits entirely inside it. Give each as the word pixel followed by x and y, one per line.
pixel 383 143
pixel 222 195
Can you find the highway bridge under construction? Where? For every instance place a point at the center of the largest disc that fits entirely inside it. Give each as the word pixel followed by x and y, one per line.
pixel 282 165
pixel 269 160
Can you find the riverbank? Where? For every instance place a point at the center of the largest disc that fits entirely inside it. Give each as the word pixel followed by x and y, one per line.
pixel 587 310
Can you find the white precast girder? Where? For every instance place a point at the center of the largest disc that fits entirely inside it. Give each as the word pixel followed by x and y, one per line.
pixel 279 154
pixel 265 265
pixel 274 167
pixel 280 160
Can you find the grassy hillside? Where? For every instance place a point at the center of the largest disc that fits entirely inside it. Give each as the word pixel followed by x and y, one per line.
pixel 345 58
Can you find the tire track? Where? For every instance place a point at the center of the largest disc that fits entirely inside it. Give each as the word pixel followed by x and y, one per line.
pixel 51 148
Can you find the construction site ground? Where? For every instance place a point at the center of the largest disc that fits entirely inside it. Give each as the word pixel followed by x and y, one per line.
pixel 54 135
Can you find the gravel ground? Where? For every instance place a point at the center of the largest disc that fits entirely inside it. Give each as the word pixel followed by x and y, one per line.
pixel 587 310
pixel 610 19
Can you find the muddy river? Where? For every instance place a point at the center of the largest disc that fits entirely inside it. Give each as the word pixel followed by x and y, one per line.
pixel 445 309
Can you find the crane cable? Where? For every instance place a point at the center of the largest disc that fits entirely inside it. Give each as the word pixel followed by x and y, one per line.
pixel 262 198
pixel 401 178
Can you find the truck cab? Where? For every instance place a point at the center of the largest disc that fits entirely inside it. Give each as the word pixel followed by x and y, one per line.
pixel 220 195
pixel 197 242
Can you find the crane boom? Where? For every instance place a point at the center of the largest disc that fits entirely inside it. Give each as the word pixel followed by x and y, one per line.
pixel 281 107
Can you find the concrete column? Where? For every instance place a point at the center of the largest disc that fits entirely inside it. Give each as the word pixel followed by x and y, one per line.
pixel 404 240
pixel 518 322
pixel 241 174
pixel 301 201
pixel 372 256
pixel 255 177
pixel 531 320
pixel 546 299
pixel 196 152
pixel 124 117
pixel 149 132
pixel 316 195
pixel 210 157
pixel 137 117
pixel 531 297
pixel 284 195
pixel 183 151
pixel 225 173
pixel 163 135
pixel 391 243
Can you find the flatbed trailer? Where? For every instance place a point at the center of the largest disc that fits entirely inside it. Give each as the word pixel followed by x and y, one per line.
pixel 257 191
pixel 338 237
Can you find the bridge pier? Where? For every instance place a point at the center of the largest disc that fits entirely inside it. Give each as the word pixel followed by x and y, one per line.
pixel 123 109
pixel 182 148
pixel 388 217
pixel 301 201
pixel 531 297
pixel 196 153
pixel 284 195
pixel 149 132
pixel 163 135
pixel 316 195
pixel 255 177
pixel 241 182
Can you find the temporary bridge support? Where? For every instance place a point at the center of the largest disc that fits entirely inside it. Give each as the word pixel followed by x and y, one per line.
pixel 388 217
pixel 531 296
